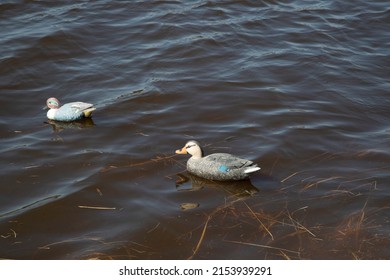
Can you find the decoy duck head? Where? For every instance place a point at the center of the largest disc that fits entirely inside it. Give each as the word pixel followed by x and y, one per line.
pixel 193 148
pixel 52 103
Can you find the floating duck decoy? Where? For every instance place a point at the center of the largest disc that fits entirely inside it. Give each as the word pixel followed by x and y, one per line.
pixel 218 166
pixel 68 112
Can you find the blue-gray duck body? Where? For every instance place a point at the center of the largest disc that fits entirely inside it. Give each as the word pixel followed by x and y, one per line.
pixel 218 166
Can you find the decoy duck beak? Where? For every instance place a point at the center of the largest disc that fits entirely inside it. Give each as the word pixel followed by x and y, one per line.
pixel 183 151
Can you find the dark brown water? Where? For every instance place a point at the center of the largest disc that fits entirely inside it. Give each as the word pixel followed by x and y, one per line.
pixel 300 87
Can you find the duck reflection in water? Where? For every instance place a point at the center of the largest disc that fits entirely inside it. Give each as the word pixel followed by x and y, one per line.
pixel 190 182
pixel 79 124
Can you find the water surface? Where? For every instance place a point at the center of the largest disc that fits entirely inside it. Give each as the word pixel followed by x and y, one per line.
pixel 301 88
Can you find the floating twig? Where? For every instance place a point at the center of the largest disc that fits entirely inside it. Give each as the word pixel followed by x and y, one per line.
pixel 201 238
pixel 321 181
pixel 96 207
pixel 48 246
pixel 262 246
pixel 153 229
pixel 288 177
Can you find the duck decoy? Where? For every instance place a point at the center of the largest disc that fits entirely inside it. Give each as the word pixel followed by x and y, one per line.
pixel 68 112
pixel 218 166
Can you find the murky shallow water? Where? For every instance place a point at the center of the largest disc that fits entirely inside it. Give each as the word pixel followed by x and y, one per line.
pixel 299 88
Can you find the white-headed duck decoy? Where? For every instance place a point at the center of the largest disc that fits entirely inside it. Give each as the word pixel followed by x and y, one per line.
pixel 218 166
pixel 68 112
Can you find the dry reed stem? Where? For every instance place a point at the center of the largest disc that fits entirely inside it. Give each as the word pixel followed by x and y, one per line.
pixel 47 246
pixel 140 245
pixel 292 175
pixel 263 246
pixel 261 223
pixel 9 234
pixel 285 255
pixel 99 191
pixel 96 207
pixel 308 186
pixel 153 229
pixel 298 225
pixel 355 256
pixel 200 239
pixel 335 192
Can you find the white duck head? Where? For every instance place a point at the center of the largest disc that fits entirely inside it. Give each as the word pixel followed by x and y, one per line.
pixel 193 148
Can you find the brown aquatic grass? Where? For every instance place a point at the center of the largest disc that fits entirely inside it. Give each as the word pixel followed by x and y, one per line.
pixel 354 235
pixel 350 239
pixel 265 224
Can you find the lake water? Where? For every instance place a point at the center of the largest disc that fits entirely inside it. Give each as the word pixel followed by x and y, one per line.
pixel 300 87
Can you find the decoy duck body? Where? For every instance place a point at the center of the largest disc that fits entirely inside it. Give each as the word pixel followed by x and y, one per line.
pixel 68 112
pixel 218 166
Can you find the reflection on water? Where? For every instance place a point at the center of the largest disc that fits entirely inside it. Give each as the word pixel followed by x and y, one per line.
pixel 79 124
pixel 190 182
